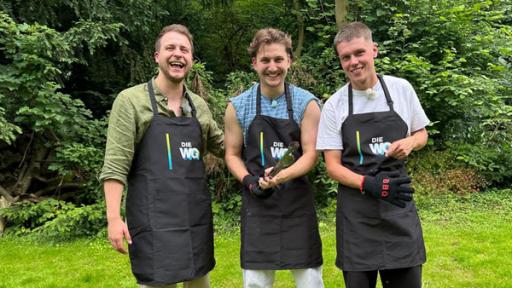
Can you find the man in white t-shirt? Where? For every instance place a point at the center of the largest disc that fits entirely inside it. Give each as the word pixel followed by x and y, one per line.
pixel 367 129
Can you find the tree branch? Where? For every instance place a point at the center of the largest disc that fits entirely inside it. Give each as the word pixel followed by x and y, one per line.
pixel 7 195
pixel 56 187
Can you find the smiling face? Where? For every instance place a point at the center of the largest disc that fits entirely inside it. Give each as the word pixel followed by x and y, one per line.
pixel 174 57
pixel 272 63
pixel 357 60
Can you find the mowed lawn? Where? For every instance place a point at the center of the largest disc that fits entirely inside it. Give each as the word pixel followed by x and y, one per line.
pixel 468 239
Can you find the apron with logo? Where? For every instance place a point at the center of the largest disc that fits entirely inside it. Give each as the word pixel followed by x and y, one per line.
pixel 372 234
pixel 168 206
pixel 280 232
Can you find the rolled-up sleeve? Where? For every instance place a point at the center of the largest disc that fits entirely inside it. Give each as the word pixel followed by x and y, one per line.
pixel 121 138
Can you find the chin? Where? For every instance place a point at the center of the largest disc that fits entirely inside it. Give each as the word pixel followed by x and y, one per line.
pixel 275 83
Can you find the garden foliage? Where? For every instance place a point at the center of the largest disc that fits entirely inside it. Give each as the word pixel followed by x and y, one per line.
pixel 63 62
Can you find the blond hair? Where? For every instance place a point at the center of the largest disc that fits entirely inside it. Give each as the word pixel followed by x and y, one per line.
pixel 174 28
pixel 353 30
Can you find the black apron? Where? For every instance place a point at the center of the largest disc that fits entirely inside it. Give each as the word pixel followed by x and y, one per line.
pixel 168 206
pixel 372 234
pixel 280 232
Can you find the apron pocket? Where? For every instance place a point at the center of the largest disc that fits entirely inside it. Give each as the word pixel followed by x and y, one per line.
pixel 170 209
pixel 140 255
pixel 172 251
pixel 301 243
pixel 362 242
pixel 262 239
pixel 405 232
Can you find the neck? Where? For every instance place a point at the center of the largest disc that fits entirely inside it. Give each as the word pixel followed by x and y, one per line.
pixel 272 92
pixel 170 89
pixel 365 83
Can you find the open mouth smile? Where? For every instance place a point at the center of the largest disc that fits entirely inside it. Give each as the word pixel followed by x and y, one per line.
pixel 176 64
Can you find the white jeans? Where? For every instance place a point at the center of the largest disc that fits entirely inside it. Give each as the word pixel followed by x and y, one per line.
pixel 304 278
pixel 201 282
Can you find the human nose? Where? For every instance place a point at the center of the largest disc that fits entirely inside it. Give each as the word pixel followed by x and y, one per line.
pixel 353 61
pixel 177 53
pixel 272 65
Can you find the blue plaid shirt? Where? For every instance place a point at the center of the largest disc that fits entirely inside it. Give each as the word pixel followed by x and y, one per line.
pixel 245 105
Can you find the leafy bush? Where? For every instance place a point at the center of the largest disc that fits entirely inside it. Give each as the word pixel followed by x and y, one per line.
pixel 54 219
pixel 438 172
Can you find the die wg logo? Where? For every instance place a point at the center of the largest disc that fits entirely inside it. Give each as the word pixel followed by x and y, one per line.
pixel 378 146
pixel 278 150
pixel 188 152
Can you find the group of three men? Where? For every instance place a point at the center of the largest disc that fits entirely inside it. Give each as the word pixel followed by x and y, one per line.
pixel 159 131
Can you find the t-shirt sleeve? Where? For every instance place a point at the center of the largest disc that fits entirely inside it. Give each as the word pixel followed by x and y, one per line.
pixel 419 119
pixel 329 129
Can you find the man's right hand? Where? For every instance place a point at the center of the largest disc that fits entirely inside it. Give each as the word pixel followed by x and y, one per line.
pixel 251 184
pixel 117 232
pixel 389 187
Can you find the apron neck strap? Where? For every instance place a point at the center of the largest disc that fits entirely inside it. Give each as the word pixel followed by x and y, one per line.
pixel 192 107
pixel 384 88
pixel 152 98
pixel 386 92
pixel 287 96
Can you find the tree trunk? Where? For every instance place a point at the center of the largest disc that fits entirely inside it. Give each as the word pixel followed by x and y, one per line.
pixel 341 12
pixel 300 28
pixel 3 204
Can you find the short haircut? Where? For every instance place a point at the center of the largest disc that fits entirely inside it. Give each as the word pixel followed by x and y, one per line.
pixel 174 28
pixel 353 30
pixel 268 36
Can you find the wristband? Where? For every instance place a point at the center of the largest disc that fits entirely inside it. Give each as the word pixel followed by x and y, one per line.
pixel 361 186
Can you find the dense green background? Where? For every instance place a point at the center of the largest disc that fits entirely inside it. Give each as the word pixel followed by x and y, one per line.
pixel 63 62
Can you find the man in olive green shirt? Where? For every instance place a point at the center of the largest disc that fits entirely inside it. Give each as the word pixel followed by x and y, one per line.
pixel 133 131
pixel 130 117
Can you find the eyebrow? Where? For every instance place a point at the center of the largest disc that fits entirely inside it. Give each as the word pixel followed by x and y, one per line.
pixel 276 57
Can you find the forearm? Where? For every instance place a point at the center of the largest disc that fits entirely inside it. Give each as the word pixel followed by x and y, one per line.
pixel 420 138
pixel 345 176
pixel 301 167
pixel 338 172
pixel 236 166
pixel 113 194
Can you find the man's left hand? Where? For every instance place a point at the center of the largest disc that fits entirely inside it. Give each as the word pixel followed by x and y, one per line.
pixel 400 149
pixel 273 181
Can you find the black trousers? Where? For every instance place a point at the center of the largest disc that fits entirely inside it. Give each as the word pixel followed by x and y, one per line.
pixel 394 278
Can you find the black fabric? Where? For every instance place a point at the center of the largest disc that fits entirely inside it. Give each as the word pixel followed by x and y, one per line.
pixel 373 234
pixel 389 187
pixel 281 231
pixel 251 184
pixel 168 205
pixel 394 278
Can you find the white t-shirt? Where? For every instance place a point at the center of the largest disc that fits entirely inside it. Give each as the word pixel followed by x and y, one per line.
pixel 335 110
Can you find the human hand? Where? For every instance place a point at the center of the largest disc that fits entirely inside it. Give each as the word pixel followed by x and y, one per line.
pixel 270 180
pixel 252 184
pixel 117 232
pixel 400 149
pixel 389 187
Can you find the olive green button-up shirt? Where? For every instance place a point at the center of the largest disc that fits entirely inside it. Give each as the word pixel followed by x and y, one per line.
pixel 130 117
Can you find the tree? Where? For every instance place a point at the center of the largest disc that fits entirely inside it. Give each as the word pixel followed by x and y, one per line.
pixel 341 12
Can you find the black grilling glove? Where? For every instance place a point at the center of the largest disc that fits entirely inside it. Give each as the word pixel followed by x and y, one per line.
pixel 251 184
pixel 389 187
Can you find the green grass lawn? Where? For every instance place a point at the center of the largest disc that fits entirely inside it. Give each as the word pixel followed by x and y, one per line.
pixel 468 239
